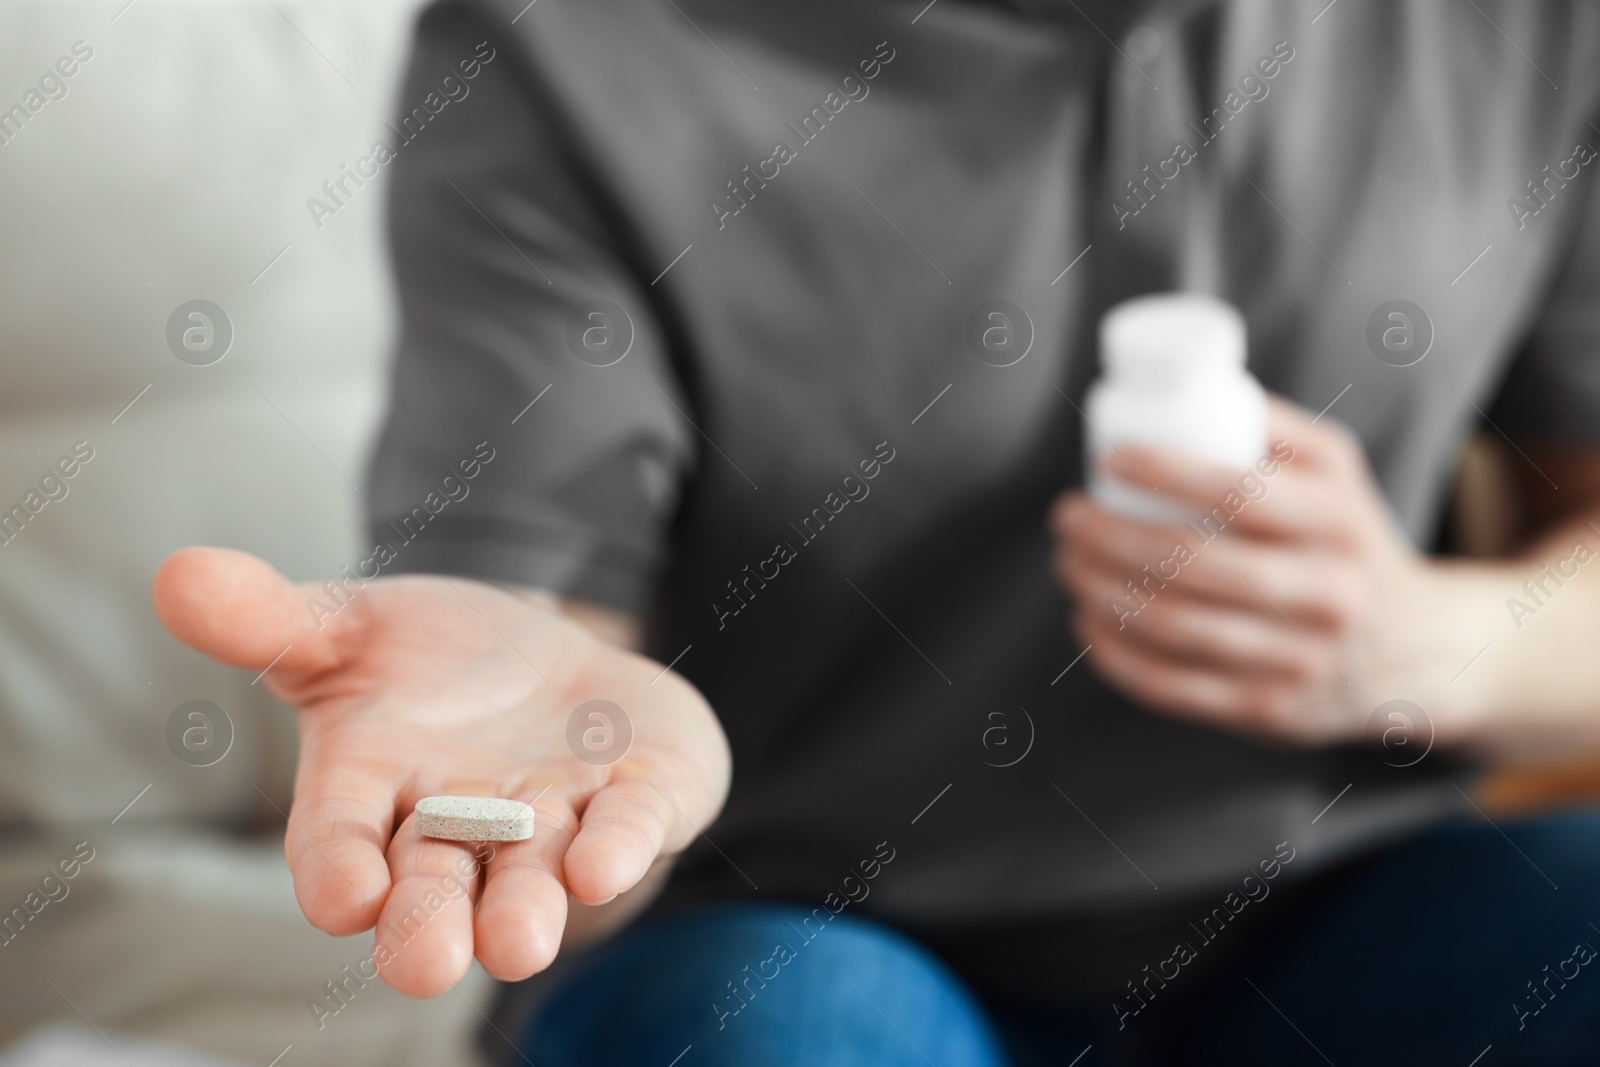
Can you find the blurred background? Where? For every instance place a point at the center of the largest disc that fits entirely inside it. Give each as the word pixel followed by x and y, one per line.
pixel 174 165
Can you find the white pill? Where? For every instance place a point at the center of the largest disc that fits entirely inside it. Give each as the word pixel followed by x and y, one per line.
pixel 474 819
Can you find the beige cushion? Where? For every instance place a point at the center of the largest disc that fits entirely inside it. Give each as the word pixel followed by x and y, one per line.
pixel 189 143
pixel 177 166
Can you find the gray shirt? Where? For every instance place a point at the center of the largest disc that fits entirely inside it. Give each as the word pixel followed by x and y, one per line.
pixel 732 256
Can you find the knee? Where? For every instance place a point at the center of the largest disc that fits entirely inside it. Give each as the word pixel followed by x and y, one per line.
pixel 764 983
pixel 1561 850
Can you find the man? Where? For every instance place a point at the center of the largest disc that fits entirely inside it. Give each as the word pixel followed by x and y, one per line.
pixel 698 383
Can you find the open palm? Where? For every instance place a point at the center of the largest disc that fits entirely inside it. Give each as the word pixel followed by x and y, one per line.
pixel 430 685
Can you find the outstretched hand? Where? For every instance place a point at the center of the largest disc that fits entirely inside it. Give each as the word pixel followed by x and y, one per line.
pixel 429 685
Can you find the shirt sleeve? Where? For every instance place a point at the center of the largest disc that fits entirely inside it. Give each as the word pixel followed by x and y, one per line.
pixel 1551 394
pixel 533 432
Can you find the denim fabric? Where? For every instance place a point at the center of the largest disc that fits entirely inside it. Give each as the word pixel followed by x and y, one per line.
pixel 1467 940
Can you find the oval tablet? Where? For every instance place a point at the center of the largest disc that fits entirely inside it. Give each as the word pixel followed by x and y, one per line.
pixel 474 819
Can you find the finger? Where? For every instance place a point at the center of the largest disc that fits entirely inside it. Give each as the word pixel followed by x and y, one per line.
pixel 1307 445
pixel 236 609
pixel 523 910
pixel 424 939
pixel 625 827
pixel 1196 632
pixel 338 834
pixel 1312 451
pixel 1248 705
pixel 1315 588
pixel 1269 500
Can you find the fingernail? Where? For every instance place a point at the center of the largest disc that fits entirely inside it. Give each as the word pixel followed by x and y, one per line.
pixel 608 900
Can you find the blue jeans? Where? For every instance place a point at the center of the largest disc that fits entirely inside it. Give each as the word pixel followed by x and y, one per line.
pixel 1460 941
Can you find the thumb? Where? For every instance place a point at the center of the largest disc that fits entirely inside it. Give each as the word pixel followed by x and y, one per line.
pixel 238 610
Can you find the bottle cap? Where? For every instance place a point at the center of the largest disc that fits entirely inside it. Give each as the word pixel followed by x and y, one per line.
pixel 1157 337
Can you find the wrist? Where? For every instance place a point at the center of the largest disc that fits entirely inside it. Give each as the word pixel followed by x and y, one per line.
pixel 1455 657
pixel 1537 691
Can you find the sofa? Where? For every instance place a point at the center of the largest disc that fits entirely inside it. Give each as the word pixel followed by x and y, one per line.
pixel 156 159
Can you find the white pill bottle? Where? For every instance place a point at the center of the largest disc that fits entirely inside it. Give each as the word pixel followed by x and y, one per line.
pixel 1173 376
